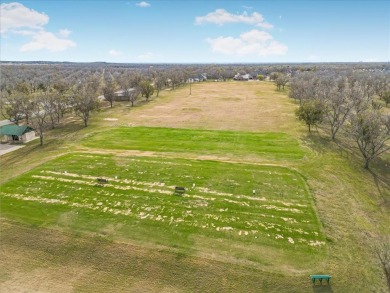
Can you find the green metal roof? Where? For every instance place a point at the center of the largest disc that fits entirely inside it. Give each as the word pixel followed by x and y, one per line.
pixel 15 130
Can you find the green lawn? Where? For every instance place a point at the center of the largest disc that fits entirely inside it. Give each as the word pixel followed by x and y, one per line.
pixel 275 146
pixel 245 205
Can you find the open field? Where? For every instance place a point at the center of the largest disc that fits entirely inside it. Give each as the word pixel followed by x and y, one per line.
pixel 242 106
pixel 139 203
pixel 61 232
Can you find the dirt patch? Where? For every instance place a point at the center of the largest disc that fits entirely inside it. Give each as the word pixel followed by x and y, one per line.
pixel 220 106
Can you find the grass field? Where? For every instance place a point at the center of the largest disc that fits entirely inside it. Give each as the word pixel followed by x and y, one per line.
pixel 273 146
pixel 139 200
pixel 314 209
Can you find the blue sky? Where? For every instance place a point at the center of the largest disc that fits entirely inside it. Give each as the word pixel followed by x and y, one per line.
pixel 203 31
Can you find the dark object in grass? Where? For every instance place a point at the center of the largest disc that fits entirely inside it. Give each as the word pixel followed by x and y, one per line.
pixel 180 190
pixel 102 180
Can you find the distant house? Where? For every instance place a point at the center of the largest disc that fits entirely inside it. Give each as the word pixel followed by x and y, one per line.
pixel 120 95
pixel 199 78
pixel 203 77
pixel 239 76
pixel 16 133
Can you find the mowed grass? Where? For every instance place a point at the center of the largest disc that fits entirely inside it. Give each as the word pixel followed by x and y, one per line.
pixel 274 146
pixel 248 206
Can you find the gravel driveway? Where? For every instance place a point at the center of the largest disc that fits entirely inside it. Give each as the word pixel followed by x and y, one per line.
pixel 6 148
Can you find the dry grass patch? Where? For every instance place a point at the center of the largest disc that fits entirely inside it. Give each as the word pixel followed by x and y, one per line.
pixel 243 106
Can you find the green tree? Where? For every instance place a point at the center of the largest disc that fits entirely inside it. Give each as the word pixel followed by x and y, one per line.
pixel 311 112
pixel 146 89
pixel 260 77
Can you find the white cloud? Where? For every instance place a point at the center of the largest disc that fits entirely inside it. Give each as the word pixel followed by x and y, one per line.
pixel 65 33
pixel 143 4
pixel 115 53
pixel 254 42
pixel 43 40
pixel 146 56
pixel 221 16
pixel 21 20
pixel 15 16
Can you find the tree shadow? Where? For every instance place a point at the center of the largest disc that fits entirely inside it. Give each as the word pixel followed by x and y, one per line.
pixel 322 288
pixel 316 142
pixel 381 174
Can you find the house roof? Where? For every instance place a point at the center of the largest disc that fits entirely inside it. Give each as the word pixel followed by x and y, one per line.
pixel 120 93
pixel 15 130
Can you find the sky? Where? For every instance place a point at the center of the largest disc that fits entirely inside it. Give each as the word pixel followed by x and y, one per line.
pixel 202 31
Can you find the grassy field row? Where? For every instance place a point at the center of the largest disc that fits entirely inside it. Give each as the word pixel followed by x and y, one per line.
pixel 274 146
pixel 243 204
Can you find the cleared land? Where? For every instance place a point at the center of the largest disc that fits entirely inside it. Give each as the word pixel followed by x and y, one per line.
pixel 242 106
pixel 61 232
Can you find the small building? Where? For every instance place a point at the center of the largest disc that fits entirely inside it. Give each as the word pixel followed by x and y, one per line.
pixel 203 77
pixel 16 133
pixel 245 76
pixel 121 95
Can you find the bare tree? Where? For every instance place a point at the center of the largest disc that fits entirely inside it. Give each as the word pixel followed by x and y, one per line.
pixel 109 91
pixel 281 81
pixel 303 87
pixel 370 131
pixel 382 84
pixel 159 82
pixel 132 95
pixel 12 106
pixel 40 109
pixel 382 250
pixel 135 79
pixel 176 77
pixel 23 87
pixel 62 103
pixel 273 75
pixel 386 98
pixel 84 100
pixel 336 95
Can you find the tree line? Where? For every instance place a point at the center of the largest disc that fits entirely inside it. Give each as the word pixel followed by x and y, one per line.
pixel 43 105
pixel 353 102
